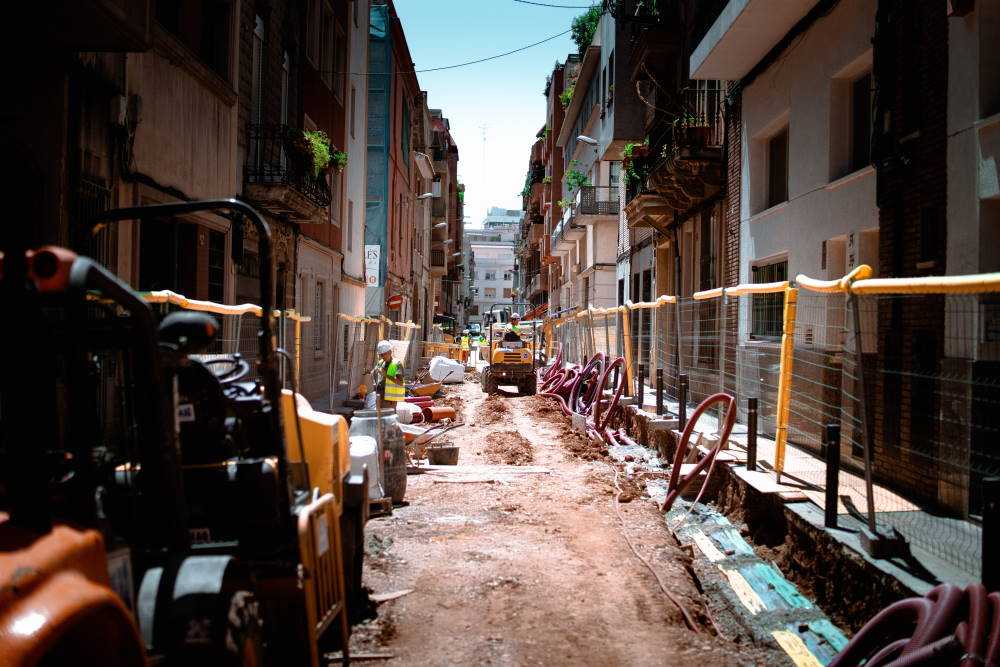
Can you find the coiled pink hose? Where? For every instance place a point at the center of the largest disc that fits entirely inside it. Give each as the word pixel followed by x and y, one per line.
pixel 948 626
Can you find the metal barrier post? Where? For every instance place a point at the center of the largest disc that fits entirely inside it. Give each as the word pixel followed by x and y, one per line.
pixel 863 412
pixel 751 434
pixel 785 380
pixel 639 357
pixel 990 574
pixel 659 392
pixel 641 394
pixel 682 397
pixel 832 440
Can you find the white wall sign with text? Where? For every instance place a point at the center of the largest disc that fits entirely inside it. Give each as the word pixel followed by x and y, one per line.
pixel 373 261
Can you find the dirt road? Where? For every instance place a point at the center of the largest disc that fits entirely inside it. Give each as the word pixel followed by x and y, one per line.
pixel 533 569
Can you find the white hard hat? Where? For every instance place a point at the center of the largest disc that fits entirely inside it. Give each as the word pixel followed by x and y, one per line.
pixel 515 316
pixel 383 347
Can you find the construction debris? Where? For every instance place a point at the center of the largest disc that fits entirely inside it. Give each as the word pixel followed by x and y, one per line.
pixel 493 410
pixel 385 597
pixel 508 448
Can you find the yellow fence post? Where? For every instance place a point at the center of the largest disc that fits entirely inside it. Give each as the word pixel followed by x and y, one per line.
pixel 298 351
pixel 627 343
pixel 785 379
pixel 654 344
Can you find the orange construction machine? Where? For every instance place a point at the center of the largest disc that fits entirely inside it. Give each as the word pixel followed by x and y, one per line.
pixel 157 504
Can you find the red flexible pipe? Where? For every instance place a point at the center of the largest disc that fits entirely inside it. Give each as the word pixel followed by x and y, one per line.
pixel 677 485
pixel 624 437
pixel 947 626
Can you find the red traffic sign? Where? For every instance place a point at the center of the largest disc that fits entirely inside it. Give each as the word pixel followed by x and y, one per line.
pixel 394 302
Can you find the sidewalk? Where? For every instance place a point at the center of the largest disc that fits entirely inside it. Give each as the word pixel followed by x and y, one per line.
pixel 948 549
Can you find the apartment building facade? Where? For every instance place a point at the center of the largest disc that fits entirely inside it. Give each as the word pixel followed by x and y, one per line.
pixel 886 161
pixel 600 120
pixel 447 215
pixel 490 257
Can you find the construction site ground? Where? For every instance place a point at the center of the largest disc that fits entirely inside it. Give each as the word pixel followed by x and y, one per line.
pixel 494 563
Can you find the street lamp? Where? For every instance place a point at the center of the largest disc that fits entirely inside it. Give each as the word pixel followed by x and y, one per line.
pixel 426 195
pixel 590 141
pixel 441 225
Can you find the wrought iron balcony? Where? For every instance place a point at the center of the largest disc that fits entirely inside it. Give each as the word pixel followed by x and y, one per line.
pixel 536 174
pixel 279 174
pixel 685 168
pixel 597 200
pixel 701 121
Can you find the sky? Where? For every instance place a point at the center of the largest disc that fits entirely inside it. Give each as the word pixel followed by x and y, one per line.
pixel 505 95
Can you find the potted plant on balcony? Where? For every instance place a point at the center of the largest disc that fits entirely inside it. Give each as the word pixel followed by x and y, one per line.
pixel 691 130
pixel 635 163
pixel 339 160
pixel 576 179
pixel 566 96
pixel 311 149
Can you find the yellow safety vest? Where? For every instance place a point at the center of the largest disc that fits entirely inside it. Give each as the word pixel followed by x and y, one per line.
pixel 465 342
pixel 395 390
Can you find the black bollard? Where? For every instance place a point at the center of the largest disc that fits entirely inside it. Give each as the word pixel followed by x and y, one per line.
pixel 659 392
pixel 641 395
pixel 682 400
pixel 751 434
pixel 832 440
pixel 990 575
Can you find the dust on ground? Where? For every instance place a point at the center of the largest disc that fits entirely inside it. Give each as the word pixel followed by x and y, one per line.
pixel 534 569
pixel 508 448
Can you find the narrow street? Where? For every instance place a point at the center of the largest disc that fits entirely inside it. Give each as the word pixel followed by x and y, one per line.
pixel 533 569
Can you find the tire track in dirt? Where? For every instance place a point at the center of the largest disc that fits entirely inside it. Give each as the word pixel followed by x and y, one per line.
pixel 533 570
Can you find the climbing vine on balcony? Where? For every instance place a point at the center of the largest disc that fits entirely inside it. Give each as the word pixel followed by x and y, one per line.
pixel 319 145
pixel 636 168
pixel 576 179
pixel 566 96
pixel 339 160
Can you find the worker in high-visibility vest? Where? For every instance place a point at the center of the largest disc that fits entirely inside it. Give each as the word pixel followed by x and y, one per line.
pixel 389 375
pixel 465 343
pixel 514 330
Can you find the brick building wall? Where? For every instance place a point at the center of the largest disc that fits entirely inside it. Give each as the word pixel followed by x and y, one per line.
pixel 731 220
pixel 911 80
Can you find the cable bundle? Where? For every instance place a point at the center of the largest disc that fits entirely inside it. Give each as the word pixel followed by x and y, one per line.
pixel 580 391
pixel 948 626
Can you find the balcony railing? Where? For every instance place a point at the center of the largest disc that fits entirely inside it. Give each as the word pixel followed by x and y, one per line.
pixel 701 120
pixel 275 158
pixel 597 200
pixel 536 174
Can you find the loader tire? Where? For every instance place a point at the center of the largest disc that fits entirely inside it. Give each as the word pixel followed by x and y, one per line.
pixel 242 644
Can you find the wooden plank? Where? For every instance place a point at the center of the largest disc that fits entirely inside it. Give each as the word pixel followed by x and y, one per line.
pixel 796 649
pixel 764 482
pixel 707 547
pixel 484 469
pixel 744 591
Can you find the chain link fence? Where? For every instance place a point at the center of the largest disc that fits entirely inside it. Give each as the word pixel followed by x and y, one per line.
pixel 909 371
